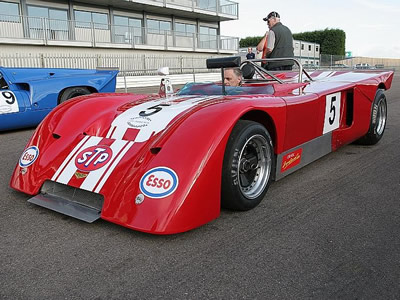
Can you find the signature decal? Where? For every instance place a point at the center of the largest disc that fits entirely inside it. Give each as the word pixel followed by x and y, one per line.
pixel 290 160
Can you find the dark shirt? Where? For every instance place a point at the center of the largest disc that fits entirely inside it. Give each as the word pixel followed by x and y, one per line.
pixel 250 55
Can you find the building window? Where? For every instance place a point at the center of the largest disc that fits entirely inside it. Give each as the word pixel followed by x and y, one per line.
pixel 185 29
pixel 207 4
pixel 309 47
pixel 53 21
pixel 9 12
pixel 84 18
pixel 126 29
pixel 208 31
pixel 208 37
pixel 158 27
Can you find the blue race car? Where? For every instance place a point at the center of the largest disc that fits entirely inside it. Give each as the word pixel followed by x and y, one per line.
pixel 27 95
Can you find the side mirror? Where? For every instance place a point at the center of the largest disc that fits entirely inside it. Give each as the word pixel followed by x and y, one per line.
pixel 163 71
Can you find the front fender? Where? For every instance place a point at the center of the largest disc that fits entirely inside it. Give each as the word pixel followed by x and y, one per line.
pixel 194 150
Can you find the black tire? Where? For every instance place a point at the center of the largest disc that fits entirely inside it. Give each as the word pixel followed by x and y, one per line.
pixel 378 120
pixel 73 92
pixel 248 163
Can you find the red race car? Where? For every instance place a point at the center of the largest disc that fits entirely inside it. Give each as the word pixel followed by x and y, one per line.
pixel 166 163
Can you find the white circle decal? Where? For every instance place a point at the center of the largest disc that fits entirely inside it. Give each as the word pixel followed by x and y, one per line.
pixel 159 182
pixel 29 156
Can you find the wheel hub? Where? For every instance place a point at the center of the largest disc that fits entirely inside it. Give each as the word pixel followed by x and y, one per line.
pixel 254 166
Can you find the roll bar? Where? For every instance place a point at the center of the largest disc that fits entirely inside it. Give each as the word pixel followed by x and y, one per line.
pixel 260 70
pixel 235 61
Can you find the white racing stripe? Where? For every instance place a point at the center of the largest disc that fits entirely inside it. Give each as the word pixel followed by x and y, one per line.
pixel 157 115
pixel 94 176
pixel 152 117
pixel 114 164
pixel 70 169
pixel 324 74
pixel 72 153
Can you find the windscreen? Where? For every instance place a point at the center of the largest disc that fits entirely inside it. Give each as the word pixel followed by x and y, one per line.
pixel 211 88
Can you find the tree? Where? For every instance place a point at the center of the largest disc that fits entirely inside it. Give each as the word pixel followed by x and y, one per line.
pixel 332 41
pixel 250 41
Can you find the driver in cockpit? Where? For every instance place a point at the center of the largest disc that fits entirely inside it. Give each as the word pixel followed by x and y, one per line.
pixel 233 77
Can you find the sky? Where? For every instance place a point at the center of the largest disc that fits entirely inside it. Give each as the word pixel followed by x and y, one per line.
pixel 372 27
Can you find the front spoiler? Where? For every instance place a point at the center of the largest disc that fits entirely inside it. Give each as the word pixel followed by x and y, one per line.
pixel 66 207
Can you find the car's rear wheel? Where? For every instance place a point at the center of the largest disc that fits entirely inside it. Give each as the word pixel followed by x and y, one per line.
pixel 378 120
pixel 247 166
pixel 73 92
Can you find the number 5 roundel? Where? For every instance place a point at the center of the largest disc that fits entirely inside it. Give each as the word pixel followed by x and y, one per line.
pixel 159 182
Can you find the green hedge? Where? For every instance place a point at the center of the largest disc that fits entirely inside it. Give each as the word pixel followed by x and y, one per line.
pixel 332 41
pixel 250 41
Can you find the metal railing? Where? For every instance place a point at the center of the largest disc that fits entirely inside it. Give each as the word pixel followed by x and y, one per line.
pixel 225 7
pixel 46 31
pixel 138 64
pixel 126 80
pixel 229 8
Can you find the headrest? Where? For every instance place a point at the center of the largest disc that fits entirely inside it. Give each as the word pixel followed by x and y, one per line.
pixel 248 71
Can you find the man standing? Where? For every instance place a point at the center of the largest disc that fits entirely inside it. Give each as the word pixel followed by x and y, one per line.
pixel 279 44
pixel 250 54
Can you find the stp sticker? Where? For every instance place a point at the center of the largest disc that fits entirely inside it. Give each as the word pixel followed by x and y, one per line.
pixel 29 156
pixel 159 182
pixel 93 158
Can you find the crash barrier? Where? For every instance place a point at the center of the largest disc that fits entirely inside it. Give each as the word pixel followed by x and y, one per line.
pixel 125 82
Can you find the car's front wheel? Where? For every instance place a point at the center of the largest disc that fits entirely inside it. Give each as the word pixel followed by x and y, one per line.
pixel 73 92
pixel 247 166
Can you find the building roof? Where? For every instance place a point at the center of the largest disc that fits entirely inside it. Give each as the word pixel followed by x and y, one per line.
pixel 227 11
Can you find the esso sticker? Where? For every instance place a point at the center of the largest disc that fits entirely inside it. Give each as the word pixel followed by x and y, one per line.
pixel 93 158
pixel 29 156
pixel 159 182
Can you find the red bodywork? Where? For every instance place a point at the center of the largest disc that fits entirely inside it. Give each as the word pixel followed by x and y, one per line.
pixel 191 144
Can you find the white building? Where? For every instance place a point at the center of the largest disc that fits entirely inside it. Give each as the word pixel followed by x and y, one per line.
pixel 104 28
pixel 307 53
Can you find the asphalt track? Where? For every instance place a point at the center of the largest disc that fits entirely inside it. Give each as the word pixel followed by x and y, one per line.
pixel 328 231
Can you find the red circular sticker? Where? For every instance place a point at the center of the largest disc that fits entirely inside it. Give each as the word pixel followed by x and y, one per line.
pixel 93 158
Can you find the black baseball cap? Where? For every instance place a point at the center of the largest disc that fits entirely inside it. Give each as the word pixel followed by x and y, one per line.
pixel 272 14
